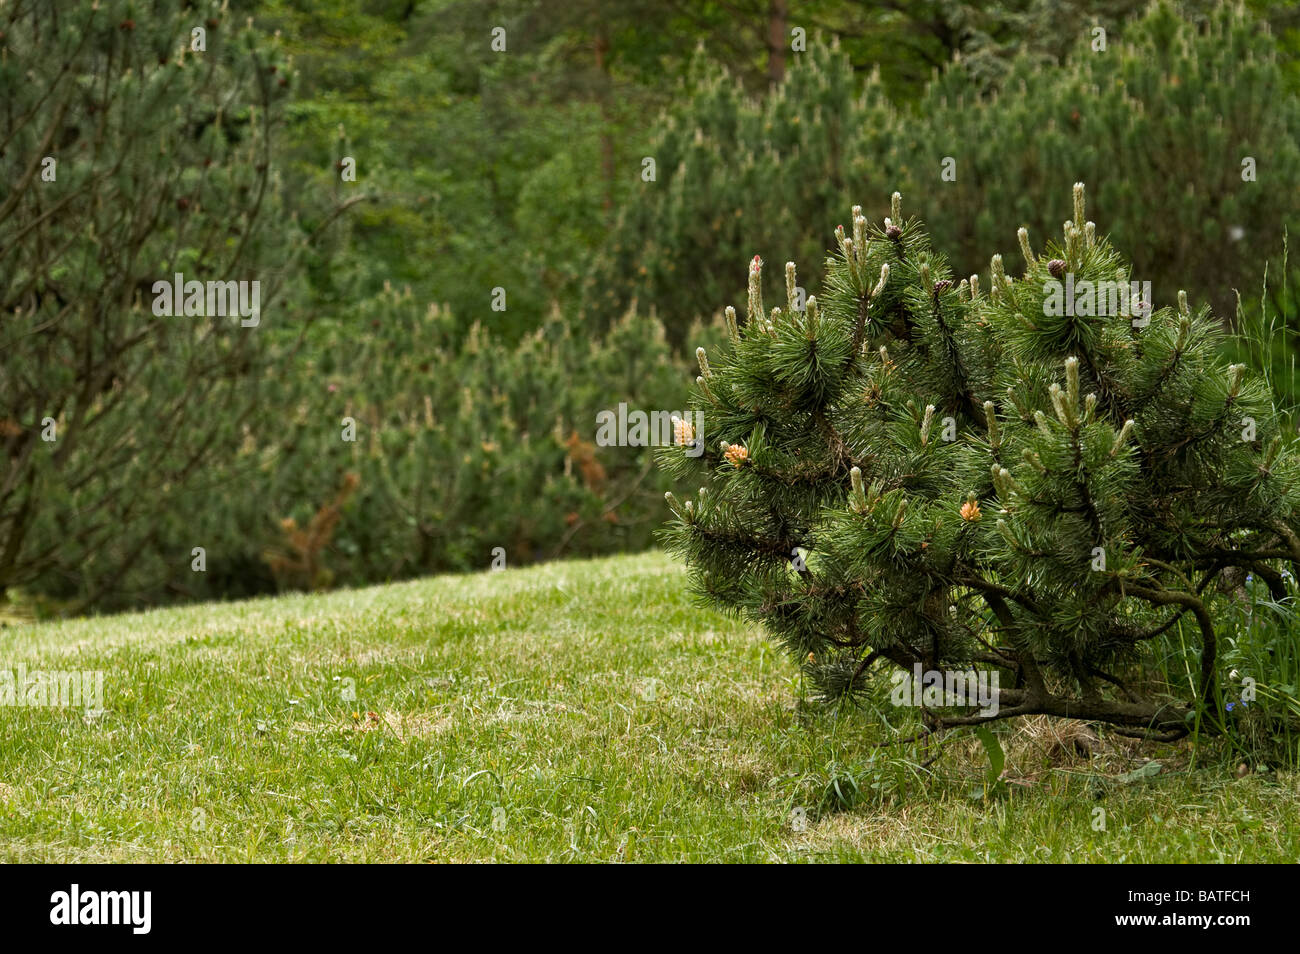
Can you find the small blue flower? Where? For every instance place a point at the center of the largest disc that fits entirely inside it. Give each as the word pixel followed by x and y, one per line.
pixel 1230 706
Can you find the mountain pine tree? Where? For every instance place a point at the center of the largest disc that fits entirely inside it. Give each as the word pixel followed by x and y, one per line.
pixel 138 142
pixel 916 471
pixel 1182 127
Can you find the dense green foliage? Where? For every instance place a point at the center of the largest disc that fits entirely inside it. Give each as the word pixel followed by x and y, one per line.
pixel 414 449
pixel 461 445
pixel 917 473
pixel 506 185
pixel 132 438
pixel 489 167
pixel 1159 124
pixel 131 156
pixel 719 159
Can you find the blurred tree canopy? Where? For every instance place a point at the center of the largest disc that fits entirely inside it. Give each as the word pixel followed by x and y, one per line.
pixel 506 168
pixel 137 145
pixel 369 158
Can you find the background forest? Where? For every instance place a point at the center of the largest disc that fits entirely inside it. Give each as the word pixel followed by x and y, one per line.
pixel 479 224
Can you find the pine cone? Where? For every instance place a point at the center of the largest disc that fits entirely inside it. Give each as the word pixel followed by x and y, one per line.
pixel 1057 267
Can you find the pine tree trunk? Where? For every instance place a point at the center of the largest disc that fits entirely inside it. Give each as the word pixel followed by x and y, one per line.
pixel 777 11
pixel 606 138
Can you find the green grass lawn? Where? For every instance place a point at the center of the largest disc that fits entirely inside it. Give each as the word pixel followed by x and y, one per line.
pixel 583 711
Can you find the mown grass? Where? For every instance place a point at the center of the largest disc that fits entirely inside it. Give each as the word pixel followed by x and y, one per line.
pixel 583 711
